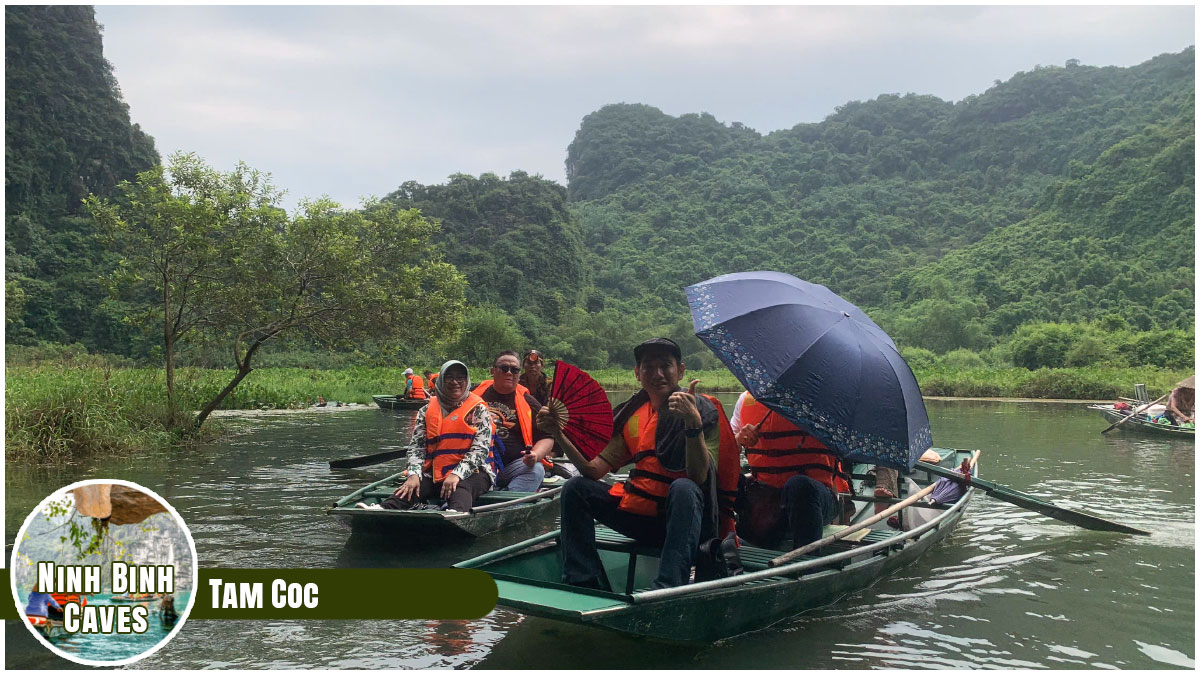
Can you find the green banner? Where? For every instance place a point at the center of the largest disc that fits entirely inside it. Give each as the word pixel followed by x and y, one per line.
pixel 336 594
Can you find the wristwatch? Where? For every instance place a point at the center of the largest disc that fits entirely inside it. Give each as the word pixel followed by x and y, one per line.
pixel 692 433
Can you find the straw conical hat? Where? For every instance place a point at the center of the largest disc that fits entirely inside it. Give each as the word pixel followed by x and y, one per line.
pixel 1190 383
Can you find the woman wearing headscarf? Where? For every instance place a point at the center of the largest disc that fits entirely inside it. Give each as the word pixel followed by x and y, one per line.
pixel 449 449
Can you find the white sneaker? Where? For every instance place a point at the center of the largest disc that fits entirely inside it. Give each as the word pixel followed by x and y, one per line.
pixel 451 511
pixel 364 505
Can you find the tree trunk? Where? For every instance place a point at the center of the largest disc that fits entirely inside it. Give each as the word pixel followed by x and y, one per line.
pixel 243 369
pixel 169 346
pixel 212 405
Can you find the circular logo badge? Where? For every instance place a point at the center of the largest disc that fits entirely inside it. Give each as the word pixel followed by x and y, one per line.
pixel 104 572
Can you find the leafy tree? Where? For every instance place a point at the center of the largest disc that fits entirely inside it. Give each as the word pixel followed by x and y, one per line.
pixel 486 331
pixel 228 263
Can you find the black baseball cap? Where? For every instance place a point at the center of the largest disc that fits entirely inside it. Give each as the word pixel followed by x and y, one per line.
pixel 661 342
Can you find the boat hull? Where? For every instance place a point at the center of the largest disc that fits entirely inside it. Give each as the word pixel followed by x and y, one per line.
pixel 394 403
pixel 1140 424
pixel 491 518
pixel 527 577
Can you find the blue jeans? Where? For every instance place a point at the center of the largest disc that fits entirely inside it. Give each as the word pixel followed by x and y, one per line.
pixel 517 476
pixel 585 501
pixel 810 505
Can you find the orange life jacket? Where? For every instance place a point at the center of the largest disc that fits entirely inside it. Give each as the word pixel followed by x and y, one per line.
pixel 448 439
pixel 524 415
pixel 646 489
pixel 785 450
pixel 418 387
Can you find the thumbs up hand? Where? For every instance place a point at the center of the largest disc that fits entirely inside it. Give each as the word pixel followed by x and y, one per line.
pixel 683 403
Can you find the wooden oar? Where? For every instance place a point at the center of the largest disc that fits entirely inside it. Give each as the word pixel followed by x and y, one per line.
pixel 520 500
pixel 842 534
pixel 1136 410
pixel 366 460
pixel 1079 518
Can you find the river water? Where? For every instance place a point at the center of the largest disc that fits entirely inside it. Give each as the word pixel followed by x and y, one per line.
pixel 1009 589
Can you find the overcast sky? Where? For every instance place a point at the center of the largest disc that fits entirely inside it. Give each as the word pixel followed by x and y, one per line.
pixel 353 101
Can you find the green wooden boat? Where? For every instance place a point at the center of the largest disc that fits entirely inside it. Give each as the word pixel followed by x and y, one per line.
pixel 528 576
pixel 388 402
pixel 1141 422
pixel 495 510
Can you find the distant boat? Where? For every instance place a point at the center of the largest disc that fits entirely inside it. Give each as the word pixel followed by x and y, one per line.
pixel 47 627
pixel 1141 421
pixel 133 597
pixel 396 403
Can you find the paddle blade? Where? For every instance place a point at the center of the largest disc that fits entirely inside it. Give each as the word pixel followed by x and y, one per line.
pixel 1078 518
pixel 582 408
pixel 1007 494
pixel 366 460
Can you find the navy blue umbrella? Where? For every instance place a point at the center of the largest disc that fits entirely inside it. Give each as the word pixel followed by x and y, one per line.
pixel 816 359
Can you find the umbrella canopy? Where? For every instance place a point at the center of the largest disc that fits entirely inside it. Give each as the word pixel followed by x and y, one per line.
pixel 816 359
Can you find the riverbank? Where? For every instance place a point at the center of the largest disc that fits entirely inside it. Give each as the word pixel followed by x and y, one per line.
pixel 56 412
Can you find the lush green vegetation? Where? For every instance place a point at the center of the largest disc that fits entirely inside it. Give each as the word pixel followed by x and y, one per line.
pixel 513 239
pixel 67 134
pixel 67 405
pixel 1064 193
pixel 229 265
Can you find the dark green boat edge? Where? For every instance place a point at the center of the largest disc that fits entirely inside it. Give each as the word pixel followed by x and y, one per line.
pixel 715 610
pixel 436 523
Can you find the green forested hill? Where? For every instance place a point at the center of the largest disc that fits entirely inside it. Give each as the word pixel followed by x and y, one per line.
pixel 513 238
pixel 67 134
pixel 1064 193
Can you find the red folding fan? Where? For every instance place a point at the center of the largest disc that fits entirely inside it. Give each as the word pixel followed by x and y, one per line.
pixel 581 407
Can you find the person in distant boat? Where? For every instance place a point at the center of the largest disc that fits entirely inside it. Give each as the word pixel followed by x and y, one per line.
pixel 42 604
pixel 671 436
pixel 449 453
pixel 795 484
pixel 430 378
pixel 534 377
pixel 414 386
pixel 1181 405
pixel 526 449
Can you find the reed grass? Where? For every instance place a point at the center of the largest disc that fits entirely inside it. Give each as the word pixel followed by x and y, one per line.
pixel 56 412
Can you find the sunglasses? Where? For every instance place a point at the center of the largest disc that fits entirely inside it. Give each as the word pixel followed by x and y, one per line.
pixel 511 370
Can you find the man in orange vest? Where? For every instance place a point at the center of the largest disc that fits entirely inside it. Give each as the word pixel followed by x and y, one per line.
pixel 512 406
pixel 449 448
pixel 795 479
pixel 414 386
pixel 671 437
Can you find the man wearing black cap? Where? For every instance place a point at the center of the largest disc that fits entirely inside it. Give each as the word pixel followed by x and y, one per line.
pixel 667 433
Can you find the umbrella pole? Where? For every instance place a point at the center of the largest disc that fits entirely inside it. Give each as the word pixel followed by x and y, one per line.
pixel 842 534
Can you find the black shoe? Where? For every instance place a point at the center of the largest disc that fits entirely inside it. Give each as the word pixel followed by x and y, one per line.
pixel 593 584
